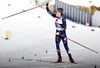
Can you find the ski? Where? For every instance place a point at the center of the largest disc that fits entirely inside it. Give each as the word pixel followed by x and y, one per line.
pixel 75 63
pixel 57 62
pixel 62 62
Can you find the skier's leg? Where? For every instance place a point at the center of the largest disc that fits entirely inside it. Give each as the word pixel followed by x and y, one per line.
pixel 57 40
pixel 64 39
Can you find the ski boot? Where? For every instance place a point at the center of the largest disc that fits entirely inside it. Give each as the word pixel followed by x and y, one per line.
pixel 59 60
pixel 59 57
pixel 70 58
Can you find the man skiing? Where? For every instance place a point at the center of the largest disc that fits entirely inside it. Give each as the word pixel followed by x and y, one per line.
pixel 60 23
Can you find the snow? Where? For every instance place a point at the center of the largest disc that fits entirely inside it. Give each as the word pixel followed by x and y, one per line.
pixel 32 35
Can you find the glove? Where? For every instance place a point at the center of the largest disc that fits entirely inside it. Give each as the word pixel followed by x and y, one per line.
pixel 47 4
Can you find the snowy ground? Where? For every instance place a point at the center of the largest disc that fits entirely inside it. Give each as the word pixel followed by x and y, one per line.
pixel 32 35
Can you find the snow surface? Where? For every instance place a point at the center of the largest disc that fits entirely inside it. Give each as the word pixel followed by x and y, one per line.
pixel 33 36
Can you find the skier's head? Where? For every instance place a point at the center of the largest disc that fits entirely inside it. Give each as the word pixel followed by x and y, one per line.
pixel 59 12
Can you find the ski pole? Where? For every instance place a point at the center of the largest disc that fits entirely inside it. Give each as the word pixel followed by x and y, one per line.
pixel 82 45
pixel 22 11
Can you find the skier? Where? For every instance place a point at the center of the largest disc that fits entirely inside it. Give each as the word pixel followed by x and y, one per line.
pixel 60 22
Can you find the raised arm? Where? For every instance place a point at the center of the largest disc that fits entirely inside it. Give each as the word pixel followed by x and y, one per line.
pixel 53 15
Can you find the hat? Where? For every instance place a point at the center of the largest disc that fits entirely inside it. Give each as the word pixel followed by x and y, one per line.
pixel 60 10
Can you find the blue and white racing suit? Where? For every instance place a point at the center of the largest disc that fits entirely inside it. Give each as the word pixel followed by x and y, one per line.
pixel 60 24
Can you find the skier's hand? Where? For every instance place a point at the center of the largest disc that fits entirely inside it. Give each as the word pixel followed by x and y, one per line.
pixel 47 4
